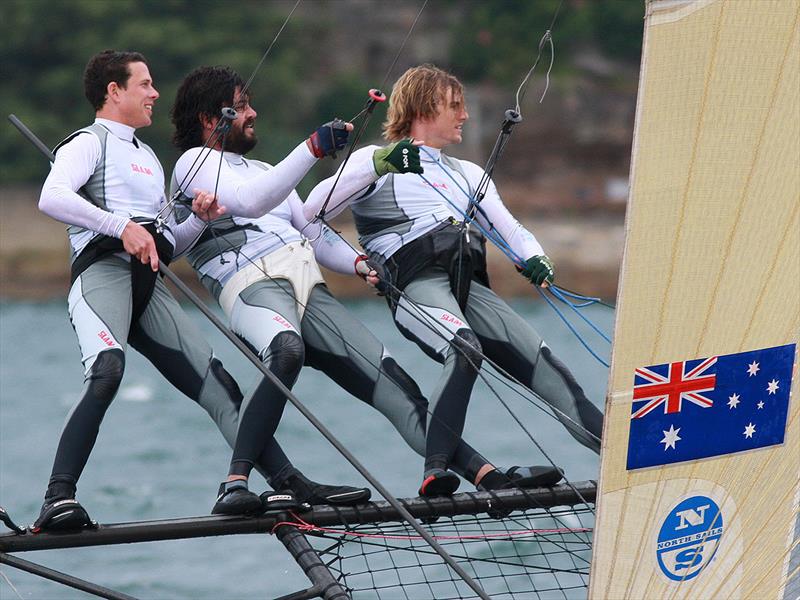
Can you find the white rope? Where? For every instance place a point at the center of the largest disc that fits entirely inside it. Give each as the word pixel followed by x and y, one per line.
pixel 11 585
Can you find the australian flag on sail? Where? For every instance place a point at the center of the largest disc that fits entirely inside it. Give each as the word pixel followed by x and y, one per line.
pixel 709 406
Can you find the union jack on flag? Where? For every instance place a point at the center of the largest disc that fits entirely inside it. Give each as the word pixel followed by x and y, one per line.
pixel 678 385
pixel 706 407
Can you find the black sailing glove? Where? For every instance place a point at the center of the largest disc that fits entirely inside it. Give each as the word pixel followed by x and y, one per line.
pixel 328 138
pixel 400 157
pixel 539 269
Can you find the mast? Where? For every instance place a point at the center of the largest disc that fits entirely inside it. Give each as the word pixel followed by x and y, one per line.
pixel 711 269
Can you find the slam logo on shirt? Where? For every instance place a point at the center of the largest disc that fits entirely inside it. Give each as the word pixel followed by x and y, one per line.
pixel 689 538
pixel 140 169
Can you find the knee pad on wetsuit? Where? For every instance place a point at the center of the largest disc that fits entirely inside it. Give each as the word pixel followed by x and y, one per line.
pixel 227 382
pixel 407 385
pixel 469 354
pixel 285 355
pixel 105 374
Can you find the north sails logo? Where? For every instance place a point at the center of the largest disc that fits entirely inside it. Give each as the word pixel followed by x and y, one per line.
pixel 405 158
pixel 689 538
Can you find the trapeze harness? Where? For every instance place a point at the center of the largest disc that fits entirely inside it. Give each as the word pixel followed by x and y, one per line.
pixel 143 278
pixel 461 256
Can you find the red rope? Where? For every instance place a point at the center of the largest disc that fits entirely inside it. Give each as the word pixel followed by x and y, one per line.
pixel 304 526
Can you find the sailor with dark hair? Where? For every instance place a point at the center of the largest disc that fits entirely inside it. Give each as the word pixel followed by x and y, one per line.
pixel 108 186
pixel 260 262
pixel 408 226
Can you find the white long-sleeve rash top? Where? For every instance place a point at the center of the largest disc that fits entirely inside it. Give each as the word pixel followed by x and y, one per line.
pixel 133 186
pixel 264 213
pixel 415 207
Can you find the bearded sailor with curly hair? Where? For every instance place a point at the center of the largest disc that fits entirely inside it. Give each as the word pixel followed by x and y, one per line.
pixel 260 263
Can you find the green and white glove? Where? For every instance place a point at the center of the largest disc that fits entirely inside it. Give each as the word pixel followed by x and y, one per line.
pixel 399 157
pixel 539 269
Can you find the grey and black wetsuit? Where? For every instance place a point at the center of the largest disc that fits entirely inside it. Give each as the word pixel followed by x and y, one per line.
pixel 263 271
pixel 406 224
pixel 103 176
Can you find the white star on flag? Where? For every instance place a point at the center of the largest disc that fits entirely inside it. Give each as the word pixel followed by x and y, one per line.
pixel 733 401
pixel 749 430
pixel 670 437
pixel 752 368
pixel 772 386
pixel 760 405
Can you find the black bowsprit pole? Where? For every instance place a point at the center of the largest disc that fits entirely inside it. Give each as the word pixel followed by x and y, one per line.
pixel 290 396
pixel 31 137
pixel 62 578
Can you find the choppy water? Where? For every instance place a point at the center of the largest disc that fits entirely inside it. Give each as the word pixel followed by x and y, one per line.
pixel 159 456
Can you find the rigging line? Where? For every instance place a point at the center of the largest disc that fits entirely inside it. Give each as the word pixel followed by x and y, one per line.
pixel 216 188
pixel 512 117
pixel 62 578
pixel 520 95
pixel 494 156
pixel 483 376
pixel 269 49
pixel 209 144
pixel 564 298
pixel 11 585
pixel 368 111
pixel 379 368
pixel 403 45
pixel 577 296
pixel 332 439
pixel 362 127
pixel 223 124
pixel 572 328
pixel 550 410
pixel 576 310
pixel 506 249
pixel 313 310
pixel 423 321
pixel 319 313
pixel 498 240
pixel 470 218
pixel 423 318
pixel 432 328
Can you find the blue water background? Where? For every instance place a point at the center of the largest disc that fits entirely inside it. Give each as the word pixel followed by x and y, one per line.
pixel 159 456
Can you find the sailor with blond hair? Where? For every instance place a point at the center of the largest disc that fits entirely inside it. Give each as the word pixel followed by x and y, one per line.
pixel 411 226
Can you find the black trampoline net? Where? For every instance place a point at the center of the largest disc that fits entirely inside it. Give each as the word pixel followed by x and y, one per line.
pixel 536 553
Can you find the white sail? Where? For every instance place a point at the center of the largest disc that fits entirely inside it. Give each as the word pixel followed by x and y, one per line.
pixel 711 269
